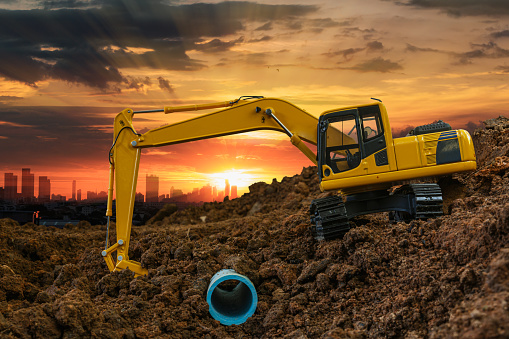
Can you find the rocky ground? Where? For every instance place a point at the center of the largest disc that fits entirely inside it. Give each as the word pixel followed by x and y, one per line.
pixel 442 278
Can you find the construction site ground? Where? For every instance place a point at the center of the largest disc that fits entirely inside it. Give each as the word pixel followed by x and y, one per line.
pixel 441 278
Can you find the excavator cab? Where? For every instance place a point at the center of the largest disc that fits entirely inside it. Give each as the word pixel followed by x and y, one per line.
pixel 346 137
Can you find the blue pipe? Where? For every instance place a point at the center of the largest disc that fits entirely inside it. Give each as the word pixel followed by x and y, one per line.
pixel 231 307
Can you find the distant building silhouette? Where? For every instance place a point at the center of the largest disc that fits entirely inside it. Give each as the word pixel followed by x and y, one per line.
pixel 176 193
pixel 74 190
pixel 206 193
pixel 78 198
pixel 139 197
pixel 226 188
pixel 234 192
pixel 27 184
pixel 220 196
pixel 11 186
pixel 152 188
pixel 44 189
pixel 94 196
pixel 58 197
pixel 91 195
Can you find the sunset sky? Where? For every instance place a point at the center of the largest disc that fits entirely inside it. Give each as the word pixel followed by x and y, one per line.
pixel 67 67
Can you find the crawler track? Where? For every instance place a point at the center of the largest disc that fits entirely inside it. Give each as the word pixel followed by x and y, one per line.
pixel 328 218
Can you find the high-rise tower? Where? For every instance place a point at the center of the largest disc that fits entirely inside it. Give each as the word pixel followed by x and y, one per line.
pixel 226 188
pixel 152 188
pixel 44 189
pixel 27 184
pixel 11 186
pixel 74 190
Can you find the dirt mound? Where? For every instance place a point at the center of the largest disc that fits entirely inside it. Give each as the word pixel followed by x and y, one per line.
pixel 446 277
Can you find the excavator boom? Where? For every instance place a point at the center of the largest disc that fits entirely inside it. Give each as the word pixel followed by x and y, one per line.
pixel 240 116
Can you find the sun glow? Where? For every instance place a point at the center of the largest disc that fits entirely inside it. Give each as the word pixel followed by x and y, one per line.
pixel 235 177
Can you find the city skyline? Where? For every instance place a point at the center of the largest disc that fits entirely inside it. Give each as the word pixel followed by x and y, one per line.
pixel 26 190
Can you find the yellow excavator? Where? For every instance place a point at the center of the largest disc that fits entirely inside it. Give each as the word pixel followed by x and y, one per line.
pixel 356 156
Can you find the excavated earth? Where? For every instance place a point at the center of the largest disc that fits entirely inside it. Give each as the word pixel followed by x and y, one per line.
pixel 442 278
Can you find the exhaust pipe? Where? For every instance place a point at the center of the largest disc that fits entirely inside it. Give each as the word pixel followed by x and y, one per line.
pixel 231 306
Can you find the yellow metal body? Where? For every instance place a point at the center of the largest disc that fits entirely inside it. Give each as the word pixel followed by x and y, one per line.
pixel 407 158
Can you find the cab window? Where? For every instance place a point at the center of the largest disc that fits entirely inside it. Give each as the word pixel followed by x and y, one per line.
pixel 371 126
pixel 342 143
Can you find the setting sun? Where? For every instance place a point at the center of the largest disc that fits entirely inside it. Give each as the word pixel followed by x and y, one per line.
pixel 235 177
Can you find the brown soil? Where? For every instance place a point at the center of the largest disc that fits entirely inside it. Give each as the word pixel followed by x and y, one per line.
pixel 442 278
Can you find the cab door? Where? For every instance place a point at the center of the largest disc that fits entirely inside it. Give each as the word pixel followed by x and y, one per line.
pixel 351 142
pixel 373 138
pixel 338 142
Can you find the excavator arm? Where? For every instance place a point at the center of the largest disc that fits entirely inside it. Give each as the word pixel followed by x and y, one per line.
pixel 240 116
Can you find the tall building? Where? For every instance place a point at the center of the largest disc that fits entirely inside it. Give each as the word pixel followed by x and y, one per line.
pixel 226 188
pixel 206 193
pixel 214 193
pixel 74 190
pixel 44 189
pixel 234 192
pixel 78 198
pixel 152 188
pixel 27 184
pixel 177 193
pixel 139 197
pixel 11 186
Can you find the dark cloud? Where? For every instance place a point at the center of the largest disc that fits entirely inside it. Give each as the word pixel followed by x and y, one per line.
pixel 412 48
pixel 68 136
pixel 138 82
pixel 294 25
pixel 165 85
pixel 217 45
pixel 263 39
pixel 504 69
pixel 459 8
pixel 60 4
pixel 489 50
pixel 354 31
pixel 5 99
pixel 472 126
pixel 345 53
pixel 325 23
pixel 265 27
pixel 88 42
pixel 373 46
pixel 501 34
pixel 377 65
